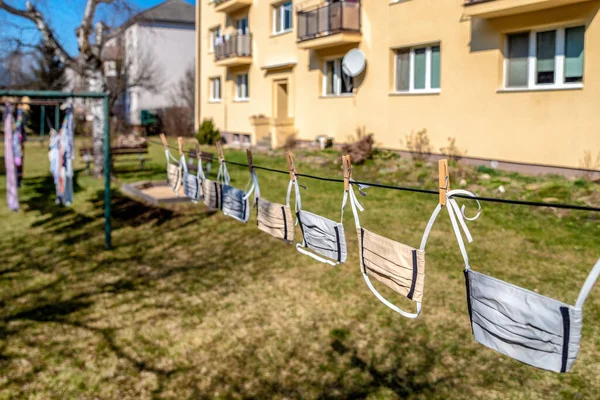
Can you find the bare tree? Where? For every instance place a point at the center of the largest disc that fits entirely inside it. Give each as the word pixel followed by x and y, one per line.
pixel 88 63
pixel 178 118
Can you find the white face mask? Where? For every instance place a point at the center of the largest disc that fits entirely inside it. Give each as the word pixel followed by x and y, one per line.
pixel 276 219
pixel 398 266
pixel 234 202
pixel 192 184
pixel 173 172
pixel 531 328
pixel 320 235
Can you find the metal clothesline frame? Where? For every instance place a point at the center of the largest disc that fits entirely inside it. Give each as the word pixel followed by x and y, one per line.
pixel 47 94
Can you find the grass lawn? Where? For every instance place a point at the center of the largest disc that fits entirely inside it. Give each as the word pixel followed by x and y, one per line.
pixel 193 304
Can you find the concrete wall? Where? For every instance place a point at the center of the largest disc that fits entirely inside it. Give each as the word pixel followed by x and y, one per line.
pixel 172 48
pixel 549 127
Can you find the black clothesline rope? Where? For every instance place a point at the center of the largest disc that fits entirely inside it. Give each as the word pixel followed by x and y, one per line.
pixel 417 190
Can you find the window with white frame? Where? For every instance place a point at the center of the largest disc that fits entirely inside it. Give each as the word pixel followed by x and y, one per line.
pixel 241 25
pixel 335 80
pixel 418 69
pixel 241 87
pixel 545 58
pixel 282 17
pixel 215 89
pixel 214 38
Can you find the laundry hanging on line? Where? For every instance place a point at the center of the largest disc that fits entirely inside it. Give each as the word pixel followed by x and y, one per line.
pixel 61 154
pixel 12 196
pixel 519 323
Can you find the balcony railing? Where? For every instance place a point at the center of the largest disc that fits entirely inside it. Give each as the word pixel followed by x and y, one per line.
pixel 237 45
pixel 329 19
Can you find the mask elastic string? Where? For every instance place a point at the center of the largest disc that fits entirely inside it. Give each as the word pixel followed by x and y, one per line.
pixel 457 213
pixel 588 285
pixel 183 164
pixel 432 219
pixel 354 203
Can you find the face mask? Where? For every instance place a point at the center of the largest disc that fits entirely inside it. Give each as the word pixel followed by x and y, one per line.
pixel 321 235
pixel 211 191
pixel 192 184
pixel 396 265
pixel 276 219
pixel 517 322
pixel 235 202
pixel 173 172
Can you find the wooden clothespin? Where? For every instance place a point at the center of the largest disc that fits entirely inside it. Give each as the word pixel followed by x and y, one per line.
pixel 220 152
pixel 163 139
pixel 250 163
pixel 291 166
pixel 180 144
pixel 444 180
pixel 198 151
pixel 347 166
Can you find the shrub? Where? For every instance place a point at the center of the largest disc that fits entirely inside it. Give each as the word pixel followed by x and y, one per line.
pixel 207 133
pixel 452 151
pixel 588 162
pixel 419 145
pixel 361 149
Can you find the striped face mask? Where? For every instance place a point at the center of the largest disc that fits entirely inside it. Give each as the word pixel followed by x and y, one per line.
pixel 234 202
pixel 524 325
pixel 396 265
pixel 211 190
pixel 173 172
pixel 192 184
pixel 276 219
pixel 321 235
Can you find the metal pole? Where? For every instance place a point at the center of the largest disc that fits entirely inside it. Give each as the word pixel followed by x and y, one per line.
pixel 43 121
pixel 107 164
pixel 56 117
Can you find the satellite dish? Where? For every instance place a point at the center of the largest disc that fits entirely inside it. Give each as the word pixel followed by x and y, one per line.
pixel 354 62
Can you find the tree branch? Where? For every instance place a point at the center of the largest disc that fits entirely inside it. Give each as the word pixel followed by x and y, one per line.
pixel 32 14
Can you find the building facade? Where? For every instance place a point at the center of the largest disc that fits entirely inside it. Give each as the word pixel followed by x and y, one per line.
pixel 515 80
pixel 157 43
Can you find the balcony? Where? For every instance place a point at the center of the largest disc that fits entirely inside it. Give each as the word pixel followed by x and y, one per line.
pixel 328 25
pixel 228 6
pixel 234 50
pixel 501 8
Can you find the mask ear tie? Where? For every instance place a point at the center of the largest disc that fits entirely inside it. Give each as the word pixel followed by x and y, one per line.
pixel 588 285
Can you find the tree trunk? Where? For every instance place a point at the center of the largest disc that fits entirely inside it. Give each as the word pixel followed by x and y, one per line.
pixel 97 106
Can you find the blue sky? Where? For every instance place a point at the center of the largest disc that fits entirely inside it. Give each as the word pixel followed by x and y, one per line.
pixel 64 18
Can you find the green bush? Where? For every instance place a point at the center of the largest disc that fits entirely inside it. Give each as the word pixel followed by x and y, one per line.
pixel 207 133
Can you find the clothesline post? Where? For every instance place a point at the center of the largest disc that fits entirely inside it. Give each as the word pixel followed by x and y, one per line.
pixel 43 121
pixel 56 117
pixel 107 165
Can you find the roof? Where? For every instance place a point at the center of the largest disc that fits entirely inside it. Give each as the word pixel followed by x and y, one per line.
pixel 177 11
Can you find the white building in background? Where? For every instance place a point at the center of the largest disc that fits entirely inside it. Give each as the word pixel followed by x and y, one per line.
pixel 163 36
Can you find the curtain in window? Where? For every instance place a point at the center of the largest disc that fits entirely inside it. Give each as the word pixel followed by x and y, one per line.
pixel 574 38
pixel 402 70
pixel 545 55
pixel 435 67
pixel 518 51
pixel 420 66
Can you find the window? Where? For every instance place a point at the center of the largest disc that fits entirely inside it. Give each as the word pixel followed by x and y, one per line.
pixel 241 87
pixel 241 26
pixel 550 58
pixel 110 68
pixel 418 69
pixel 215 89
pixel 282 17
pixel 236 138
pixel 335 80
pixel 214 38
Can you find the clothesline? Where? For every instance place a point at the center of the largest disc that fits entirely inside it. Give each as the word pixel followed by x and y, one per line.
pixel 418 190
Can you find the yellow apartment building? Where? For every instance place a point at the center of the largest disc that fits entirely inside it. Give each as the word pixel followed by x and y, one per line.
pixel 515 80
